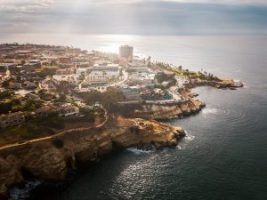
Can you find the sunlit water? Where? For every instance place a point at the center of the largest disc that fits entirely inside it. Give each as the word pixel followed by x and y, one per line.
pixel 224 155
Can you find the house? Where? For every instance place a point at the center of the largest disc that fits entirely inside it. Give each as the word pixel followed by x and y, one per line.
pixel 68 78
pixel 31 65
pixel 65 60
pixel 68 110
pixel 50 84
pixel 131 94
pixel 142 78
pixel 45 111
pixel 81 71
pixel 29 85
pixel 12 119
pixel 15 85
pixel 3 71
pixel 67 71
pixel 32 96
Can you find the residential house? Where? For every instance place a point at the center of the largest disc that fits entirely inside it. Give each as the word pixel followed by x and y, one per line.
pixel 68 110
pixel 45 111
pixel 12 119
pixel 50 84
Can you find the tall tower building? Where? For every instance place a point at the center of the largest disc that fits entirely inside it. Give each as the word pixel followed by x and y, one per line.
pixel 126 52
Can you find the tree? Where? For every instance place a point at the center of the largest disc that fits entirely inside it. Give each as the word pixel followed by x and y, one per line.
pixel 62 98
pixel 5 84
pixel 47 72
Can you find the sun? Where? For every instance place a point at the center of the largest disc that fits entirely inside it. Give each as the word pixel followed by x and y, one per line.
pixel 111 43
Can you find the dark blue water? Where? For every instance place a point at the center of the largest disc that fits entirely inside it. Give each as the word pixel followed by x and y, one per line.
pixel 224 155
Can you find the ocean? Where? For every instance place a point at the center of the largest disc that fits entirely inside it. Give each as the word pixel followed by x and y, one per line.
pixel 223 157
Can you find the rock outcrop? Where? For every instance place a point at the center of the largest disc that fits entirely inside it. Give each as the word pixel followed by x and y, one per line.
pixel 50 159
pixel 161 112
pixel 221 84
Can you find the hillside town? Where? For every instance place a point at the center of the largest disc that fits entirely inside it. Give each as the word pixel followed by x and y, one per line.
pixel 40 81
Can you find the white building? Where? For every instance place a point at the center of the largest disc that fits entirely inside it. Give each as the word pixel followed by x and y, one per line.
pixel 81 70
pixel 68 78
pixel 102 74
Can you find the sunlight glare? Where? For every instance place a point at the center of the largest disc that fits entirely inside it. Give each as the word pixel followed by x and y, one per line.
pixel 112 42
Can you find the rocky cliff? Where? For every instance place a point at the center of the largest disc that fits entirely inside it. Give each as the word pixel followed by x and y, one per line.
pixel 221 84
pixel 51 158
pixel 161 112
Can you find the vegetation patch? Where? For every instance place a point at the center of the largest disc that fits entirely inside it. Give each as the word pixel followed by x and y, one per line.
pixel 58 143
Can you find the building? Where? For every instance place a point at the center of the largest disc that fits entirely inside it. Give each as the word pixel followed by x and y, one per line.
pixel 50 84
pixel 3 71
pixel 133 67
pixel 102 74
pixel 96 78
pixel 65 60
pixel 32 96
pixel 68 78
pixel 45 111
pixel 14 85
pixel 11 119
pixel 68 111
pixel 141 78
pixel 131 94
pixel 126 53
pixel 81 71
pixel 66 74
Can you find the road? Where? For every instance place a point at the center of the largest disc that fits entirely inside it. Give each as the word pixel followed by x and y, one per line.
pixel 125 78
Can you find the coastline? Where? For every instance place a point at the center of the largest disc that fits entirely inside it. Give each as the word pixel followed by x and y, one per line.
pixel 50 158
pixel 168 111
pixel 53 158
pixel 52 161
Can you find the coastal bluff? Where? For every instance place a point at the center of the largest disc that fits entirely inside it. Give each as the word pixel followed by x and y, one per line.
pixel 163 112
pixel 51 158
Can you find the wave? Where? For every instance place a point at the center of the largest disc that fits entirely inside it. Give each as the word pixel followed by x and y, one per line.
pixel 23 193
pixel 245 86
pixel 185 141
pixel 189 138
pixel 210 111
pixel 137 151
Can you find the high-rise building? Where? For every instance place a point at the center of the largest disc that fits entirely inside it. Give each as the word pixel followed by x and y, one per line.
pixel 126 52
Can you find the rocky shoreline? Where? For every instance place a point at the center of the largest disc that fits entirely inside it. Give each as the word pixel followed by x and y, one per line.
pixel 189 105
pixel 51 159
pixel 163 112
pixel 222 84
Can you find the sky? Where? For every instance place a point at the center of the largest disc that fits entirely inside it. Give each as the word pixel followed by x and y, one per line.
pixel 144 17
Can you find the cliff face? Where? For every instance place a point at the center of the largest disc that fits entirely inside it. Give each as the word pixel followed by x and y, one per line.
pixel 221 84
pixel 50 159
pixel 169 111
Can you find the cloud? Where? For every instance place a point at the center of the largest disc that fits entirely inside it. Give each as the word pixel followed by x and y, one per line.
pixel 255 2
pixel 26 6
pixel 133 17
